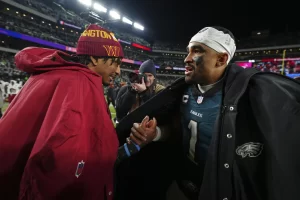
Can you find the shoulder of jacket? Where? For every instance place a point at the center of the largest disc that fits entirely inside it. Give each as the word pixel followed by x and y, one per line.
pixel 268 77
pixel 159 88
pixel 124 89
pixel 275 84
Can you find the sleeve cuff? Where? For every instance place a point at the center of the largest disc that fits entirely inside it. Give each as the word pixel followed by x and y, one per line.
pixel 158 134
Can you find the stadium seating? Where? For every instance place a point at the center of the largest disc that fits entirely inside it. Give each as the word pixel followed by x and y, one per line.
pixel 165 58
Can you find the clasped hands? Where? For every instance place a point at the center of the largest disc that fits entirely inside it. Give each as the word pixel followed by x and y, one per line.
pixel 144 132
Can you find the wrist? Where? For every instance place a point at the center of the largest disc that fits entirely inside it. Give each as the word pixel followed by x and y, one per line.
pixel 158 134
pixel 142 91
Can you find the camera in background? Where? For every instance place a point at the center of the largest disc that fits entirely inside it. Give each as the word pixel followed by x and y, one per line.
pixel 136 77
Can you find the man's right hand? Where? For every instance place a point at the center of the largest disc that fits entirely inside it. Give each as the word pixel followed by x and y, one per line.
pixel 143 133
pixel 139 87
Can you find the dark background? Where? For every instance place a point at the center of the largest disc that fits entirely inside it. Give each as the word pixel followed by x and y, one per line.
pixel 177 21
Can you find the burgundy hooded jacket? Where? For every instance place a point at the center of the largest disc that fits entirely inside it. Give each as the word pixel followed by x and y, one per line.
pixel 57 140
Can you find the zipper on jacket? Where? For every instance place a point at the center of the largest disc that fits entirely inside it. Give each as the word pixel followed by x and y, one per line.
pixel 219 144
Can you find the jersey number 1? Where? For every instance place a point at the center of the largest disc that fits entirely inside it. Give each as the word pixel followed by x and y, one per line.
pixel 193 126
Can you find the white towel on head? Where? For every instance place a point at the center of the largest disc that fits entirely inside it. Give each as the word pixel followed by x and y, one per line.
pixel 217 40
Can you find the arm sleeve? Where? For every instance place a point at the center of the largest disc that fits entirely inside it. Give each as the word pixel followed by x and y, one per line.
pixel 163 133
pixel 276 107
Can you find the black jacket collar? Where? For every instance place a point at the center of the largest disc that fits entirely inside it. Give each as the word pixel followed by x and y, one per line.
pixel 231 72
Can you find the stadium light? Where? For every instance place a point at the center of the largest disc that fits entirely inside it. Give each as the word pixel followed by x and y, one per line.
pixel 86 2
pixel 114 14
pixel 127 21
pixel 138 26
pixel 99 7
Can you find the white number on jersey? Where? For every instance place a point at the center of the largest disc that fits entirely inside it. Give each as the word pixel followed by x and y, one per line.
pixel 193 126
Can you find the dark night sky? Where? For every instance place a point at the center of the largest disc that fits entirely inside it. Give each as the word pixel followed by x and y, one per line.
pixel 178 21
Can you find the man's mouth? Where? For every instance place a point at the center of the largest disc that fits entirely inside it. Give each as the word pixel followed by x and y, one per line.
pixel 112 78
pixel 188 70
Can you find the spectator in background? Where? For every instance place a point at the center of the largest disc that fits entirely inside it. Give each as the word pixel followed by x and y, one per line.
pixel 131 97
pixel 110 97
pixel 12 95
pixel 61 122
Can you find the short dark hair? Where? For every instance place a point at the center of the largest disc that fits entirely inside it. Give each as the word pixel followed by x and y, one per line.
pixel 225 30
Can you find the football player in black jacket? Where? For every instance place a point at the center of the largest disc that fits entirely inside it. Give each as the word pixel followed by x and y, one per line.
pixel 245 146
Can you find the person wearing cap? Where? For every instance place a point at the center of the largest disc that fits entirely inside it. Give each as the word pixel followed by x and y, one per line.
pixel 65 146
pixel 237 129
pixel 131 97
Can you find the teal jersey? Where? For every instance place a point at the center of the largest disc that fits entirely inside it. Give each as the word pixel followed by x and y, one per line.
pixel 198 116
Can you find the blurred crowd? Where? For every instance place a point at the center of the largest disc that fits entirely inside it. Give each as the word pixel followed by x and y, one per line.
pixel 11 79
pixel 8 69
pixel 290 67
pixel 35 27
pixel 19 23
pixel 60 13
pixel 10 76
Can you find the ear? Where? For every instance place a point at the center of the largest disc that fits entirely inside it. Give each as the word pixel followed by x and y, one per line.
pixel 222 59
pixel 93 61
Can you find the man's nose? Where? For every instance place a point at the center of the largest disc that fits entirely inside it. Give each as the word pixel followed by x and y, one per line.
pixel 118 71
pixel 188 59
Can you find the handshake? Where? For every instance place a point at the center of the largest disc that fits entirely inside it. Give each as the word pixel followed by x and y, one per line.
pixel 141 134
